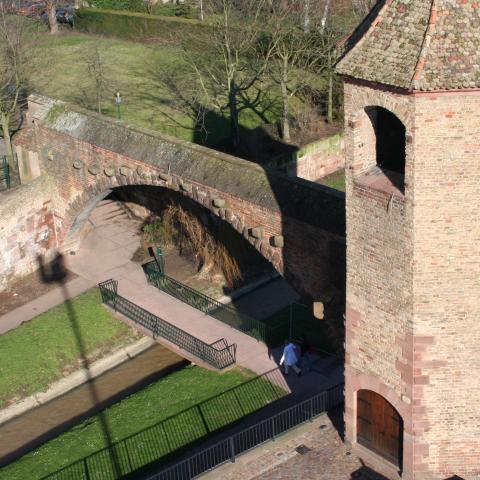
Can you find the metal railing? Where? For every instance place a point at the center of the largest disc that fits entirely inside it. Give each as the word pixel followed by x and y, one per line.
pixel 229 448
pixel 294 321
pixel 4 173
pixel 206 304
pixel 135 452
pixel 218 354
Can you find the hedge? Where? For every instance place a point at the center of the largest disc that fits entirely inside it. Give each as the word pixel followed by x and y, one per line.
pixel 135 26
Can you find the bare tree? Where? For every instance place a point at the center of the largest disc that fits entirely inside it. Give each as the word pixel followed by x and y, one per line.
pixel 16 38
pixel 96 70
pixel 293 55
pixel 226 64
pixel 362 7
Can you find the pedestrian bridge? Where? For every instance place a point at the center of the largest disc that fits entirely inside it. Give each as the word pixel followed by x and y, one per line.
pixel 70 158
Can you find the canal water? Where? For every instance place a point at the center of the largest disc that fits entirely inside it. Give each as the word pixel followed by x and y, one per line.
pixel 28 431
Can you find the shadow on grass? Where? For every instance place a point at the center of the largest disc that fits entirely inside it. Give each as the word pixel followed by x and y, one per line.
pixel 169 438
pixel 56 272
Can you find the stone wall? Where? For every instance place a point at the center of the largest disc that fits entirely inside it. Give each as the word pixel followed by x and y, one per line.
pixel 295 225
pixel 315 160
pixel 413 263
pixel 379 267
pixel 446 232
pixel 27 229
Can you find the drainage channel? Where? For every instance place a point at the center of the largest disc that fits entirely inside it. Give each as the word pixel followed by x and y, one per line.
pixel 28 431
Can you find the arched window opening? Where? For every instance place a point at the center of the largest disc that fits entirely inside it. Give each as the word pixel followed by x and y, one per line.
pixel 379 426
pixel 390 136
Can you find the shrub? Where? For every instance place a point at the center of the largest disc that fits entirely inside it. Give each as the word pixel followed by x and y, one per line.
pixel 135 26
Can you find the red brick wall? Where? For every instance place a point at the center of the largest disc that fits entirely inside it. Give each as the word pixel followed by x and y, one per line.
pixel 312 259
pixel 28 229
pixel 413 264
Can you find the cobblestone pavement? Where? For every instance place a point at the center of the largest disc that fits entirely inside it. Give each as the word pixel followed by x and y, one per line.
pixel 325 457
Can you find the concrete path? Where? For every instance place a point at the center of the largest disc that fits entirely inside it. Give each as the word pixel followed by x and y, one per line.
pixel 107 252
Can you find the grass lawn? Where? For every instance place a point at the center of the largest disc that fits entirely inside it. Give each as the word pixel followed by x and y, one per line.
pixel 129 67
pixel 335 180
pixel 46 348
pixel 164 398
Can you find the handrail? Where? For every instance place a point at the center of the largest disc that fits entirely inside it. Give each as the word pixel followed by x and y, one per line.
pixel 229 448
pixel 163 438
pixel 206 304
pixel 218 356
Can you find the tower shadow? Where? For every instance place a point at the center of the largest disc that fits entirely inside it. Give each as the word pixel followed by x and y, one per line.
pixel 55 272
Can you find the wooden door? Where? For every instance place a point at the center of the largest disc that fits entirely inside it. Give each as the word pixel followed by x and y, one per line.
pixel 379 426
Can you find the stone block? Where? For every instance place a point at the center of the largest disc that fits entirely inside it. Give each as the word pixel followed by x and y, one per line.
pixel 165 177
pixel 219 203
pixel 257 232
pixel 318 310
pixel 277 241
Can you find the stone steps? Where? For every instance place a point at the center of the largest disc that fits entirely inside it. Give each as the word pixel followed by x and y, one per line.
pixel 106 211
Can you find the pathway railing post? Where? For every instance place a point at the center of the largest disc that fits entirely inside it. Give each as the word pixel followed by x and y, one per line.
pixel 232 449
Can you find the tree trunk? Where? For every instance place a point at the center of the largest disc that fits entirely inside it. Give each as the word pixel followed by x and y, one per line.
pixel 306 18
pixel 286 106
pixel 99 102
pixel 5 121
pixel 330 96
pixel 234 121
pixel 52 19
pixel 201 10
pixel 325 16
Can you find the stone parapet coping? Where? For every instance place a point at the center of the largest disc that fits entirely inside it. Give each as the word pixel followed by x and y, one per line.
pixel 76 379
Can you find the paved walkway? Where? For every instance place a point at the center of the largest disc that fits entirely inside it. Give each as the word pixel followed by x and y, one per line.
pixel 324 457
pixel 107 252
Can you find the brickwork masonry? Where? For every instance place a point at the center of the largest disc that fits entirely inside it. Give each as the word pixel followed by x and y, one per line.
pixel 310 256
pixel 413 264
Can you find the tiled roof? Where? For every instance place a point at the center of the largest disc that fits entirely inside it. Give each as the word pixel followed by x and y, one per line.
pixel 417 45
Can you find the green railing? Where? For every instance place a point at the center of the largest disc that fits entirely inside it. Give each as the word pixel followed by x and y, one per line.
pixel 4 173
pixel 206 304
pixel 170 436
pixel 295 321
pixel 218 354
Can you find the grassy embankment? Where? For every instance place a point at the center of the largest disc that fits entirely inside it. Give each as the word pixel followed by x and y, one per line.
pixel 47 348
pixel 169 396
pixel 134 69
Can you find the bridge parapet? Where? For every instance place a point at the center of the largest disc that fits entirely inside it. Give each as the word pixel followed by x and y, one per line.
pixel 297 225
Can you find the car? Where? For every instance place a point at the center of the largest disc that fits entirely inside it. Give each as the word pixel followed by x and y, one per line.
pixel 64 15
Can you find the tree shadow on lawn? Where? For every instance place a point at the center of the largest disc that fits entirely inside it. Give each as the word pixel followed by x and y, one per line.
pixel 260 142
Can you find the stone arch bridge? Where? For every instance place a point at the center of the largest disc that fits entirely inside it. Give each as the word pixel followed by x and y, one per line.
pixel 69 159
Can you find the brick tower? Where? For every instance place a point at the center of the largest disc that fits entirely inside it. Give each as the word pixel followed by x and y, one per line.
pixel 412 119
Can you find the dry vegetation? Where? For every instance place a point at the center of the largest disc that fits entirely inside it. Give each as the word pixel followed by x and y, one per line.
pixel 192 237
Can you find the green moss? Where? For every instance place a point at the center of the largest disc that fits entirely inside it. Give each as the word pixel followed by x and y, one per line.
pixel 55 113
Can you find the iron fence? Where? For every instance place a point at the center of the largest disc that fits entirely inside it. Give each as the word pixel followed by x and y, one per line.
pixel 294 321
pixel 4 173
pixel 174 433
pixel 219 354
pixel 206 304
pixel 229 448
